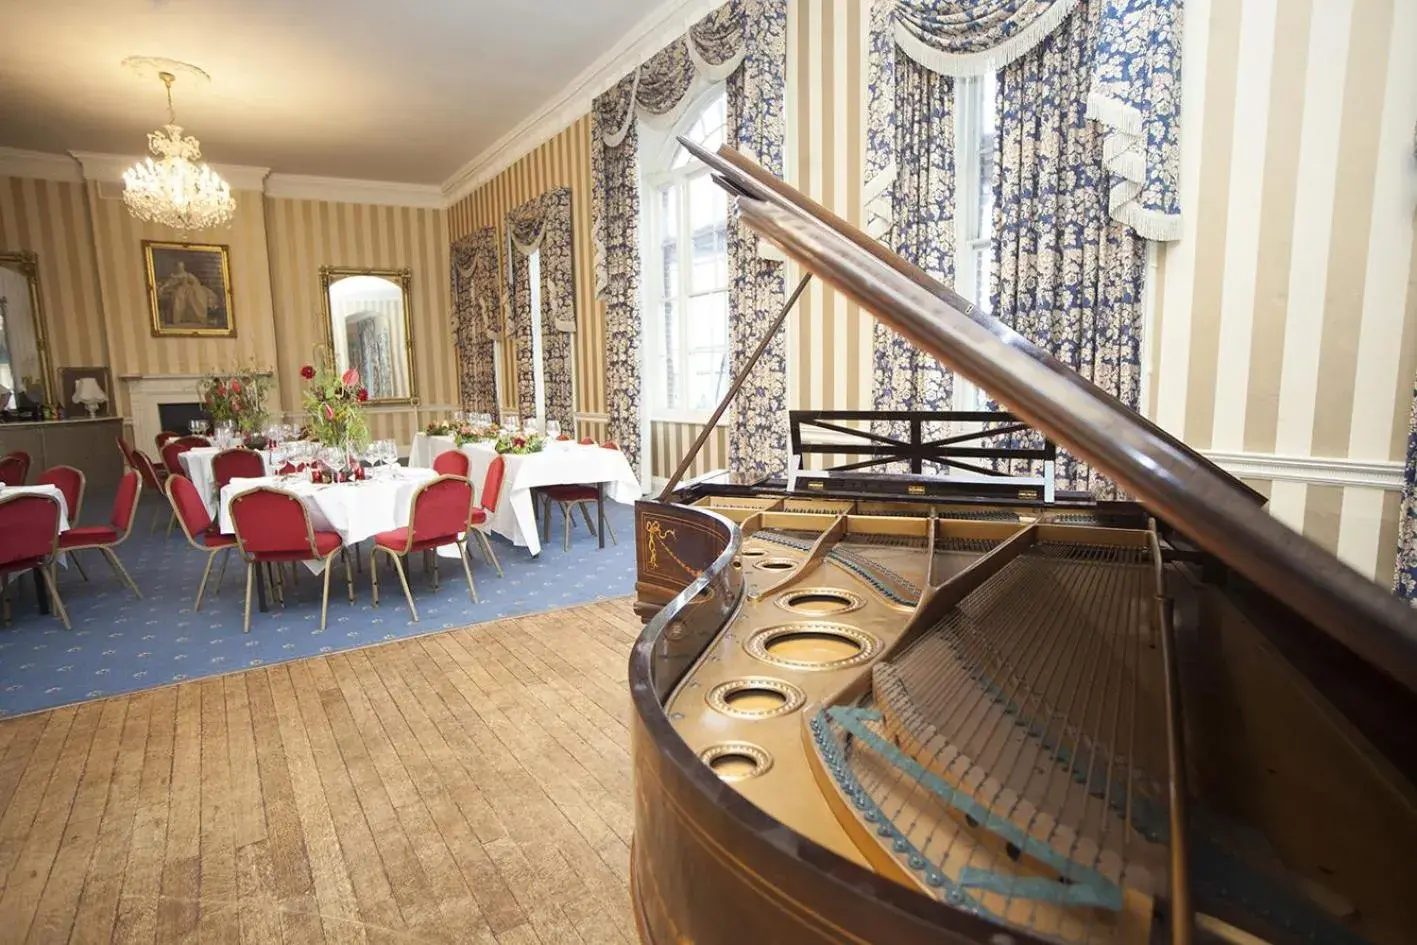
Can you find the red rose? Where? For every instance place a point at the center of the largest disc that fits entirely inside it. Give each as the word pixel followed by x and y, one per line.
pixel 235 386
pixel 363 395
pixel 307 372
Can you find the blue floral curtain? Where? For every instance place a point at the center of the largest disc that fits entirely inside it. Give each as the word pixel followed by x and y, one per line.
pixel 757 94
pixel 1066 275
pixel 743 42
pixel 1405 577
pixel 476 318
pixel 915 105
pixel 544 224
pixel 1132 88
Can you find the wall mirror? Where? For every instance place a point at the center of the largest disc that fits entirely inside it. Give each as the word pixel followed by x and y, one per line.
pixel 24 356
pixel 368 327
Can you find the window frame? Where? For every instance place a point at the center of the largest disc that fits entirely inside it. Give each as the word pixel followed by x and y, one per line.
pixel 969 245
pixel 663 173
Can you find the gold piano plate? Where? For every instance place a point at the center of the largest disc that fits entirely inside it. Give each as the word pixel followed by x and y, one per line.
pixel 736 761
pixel 813 646
pixel 755 697
pixel 819 601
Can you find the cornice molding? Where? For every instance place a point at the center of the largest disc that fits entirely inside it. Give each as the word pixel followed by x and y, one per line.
pixel 109 168
pixel 662 26
pixel 349 190
pixel 16 162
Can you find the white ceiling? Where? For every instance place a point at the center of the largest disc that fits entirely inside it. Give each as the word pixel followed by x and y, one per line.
pixel 394 90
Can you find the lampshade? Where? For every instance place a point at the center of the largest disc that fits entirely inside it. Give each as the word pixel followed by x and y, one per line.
pixel 88 391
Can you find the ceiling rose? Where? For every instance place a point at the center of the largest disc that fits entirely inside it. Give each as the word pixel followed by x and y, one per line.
pixel 173 186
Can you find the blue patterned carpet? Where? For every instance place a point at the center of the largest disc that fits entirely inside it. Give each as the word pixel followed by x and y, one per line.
pixel 120 644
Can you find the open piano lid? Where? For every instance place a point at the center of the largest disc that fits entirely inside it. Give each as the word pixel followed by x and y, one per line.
pixel 1173 481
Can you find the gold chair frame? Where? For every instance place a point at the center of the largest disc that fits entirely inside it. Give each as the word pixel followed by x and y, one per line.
pixel 396 556
pixel 342 551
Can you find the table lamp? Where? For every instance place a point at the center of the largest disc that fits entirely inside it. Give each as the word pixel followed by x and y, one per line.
pixel 88 392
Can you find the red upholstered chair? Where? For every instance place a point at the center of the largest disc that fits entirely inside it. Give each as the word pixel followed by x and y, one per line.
pixel 272 527
pixel 14 468
pixel 70 482
pixel 153 477
pixel 162 439
pixel 201 531
pixel 105 538
pixel 237 463
pixel 482 513
pixel 571 497
pixel 171 453
pixel 29 539
pixel 439 516
pixel 452 463
pixel 125 448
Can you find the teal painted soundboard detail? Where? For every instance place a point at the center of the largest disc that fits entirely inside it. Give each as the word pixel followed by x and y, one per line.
pixel 1097 889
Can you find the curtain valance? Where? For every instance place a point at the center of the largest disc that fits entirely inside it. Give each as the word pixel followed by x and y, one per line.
pixel 658 91
pixel 1134 90
pixel 544 223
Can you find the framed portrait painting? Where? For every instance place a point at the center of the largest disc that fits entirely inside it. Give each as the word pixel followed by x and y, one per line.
pixel 189 289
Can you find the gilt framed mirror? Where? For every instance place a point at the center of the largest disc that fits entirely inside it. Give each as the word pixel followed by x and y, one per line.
pixel 368 327
pixel 25 371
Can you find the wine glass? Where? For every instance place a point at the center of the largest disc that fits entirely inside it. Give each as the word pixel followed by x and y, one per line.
pixel 553 429
pixel 530 426
pixel 195 427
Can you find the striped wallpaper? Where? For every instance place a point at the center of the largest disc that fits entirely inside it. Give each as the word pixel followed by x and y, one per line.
pixel 563 161
pixel 1286 321
pixel 122 278
pixel 51 218
pixel 307 234
pixel 92 279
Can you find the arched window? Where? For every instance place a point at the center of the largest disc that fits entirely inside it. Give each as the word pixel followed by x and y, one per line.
pixel 686 268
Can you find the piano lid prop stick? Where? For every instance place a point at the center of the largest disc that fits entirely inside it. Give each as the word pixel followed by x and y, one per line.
pixel 737 383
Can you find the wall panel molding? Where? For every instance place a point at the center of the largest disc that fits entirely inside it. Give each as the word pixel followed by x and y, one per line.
pixel 1314 470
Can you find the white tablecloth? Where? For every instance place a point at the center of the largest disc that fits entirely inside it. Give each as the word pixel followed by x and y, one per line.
pixel 560 463
pixel 356 510
pixel 198 463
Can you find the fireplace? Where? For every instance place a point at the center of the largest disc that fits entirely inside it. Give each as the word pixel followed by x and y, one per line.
pixel 178 417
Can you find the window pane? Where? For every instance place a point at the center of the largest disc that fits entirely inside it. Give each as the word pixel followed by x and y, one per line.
pixel 984 224
pixel 708 204
pixel 708 321
pixel 669 352
pixel 708 379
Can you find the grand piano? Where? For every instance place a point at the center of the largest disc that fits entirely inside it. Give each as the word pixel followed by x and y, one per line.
pixel 916 705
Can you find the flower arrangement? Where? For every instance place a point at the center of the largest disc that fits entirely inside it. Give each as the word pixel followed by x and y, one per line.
pixel 520 443
pixel 466 433
pixel 334 401
pixel 238 397
pixel 439 428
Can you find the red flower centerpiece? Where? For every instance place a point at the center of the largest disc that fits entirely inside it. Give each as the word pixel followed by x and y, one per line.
pixel 334 401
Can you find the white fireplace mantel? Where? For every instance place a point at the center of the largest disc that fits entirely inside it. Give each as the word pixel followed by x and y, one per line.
pixel 146 392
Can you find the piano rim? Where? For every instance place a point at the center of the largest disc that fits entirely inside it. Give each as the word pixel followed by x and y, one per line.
pixel 858 898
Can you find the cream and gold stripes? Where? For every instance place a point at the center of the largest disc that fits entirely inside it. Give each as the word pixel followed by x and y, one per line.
pixel 307 234
pixel 1286 320
pixel 563 161
pixel 51 218
pixel 671 440
pixel 122 277
pixel 829 336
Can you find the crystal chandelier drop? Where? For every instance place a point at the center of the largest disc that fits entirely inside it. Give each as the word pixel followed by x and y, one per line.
pixel 171 187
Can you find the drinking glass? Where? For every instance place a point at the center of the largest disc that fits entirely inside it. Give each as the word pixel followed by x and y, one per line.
pixel 194 426
pixel 530 426
pixel 511 421
pixel 553 429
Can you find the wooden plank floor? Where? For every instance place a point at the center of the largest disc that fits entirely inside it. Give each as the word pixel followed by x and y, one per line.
pixel 467 786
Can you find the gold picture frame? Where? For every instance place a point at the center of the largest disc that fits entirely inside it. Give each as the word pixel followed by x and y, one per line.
pixel 26 263
pixel 408 368
pixel 189 290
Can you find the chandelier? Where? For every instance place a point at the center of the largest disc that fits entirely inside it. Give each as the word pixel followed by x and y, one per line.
pixel 171 187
